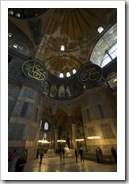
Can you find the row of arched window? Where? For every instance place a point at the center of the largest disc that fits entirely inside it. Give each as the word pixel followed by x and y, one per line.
pixel 53 91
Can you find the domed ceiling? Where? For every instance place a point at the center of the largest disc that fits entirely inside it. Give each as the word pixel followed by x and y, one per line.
pixel 62 38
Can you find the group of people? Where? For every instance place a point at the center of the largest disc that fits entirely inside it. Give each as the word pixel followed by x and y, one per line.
pixel 62 153
pixel 81 153
pixel 19 167
pixel 21 161
pixel 99 154
pixel 11 159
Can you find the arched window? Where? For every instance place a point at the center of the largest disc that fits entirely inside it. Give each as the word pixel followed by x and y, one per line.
pixel 18 15
pixel 46 88
pixel 68 74
pixel 61 75
pixel 11 12
pixel 53 91
pixel 40 124
pixel 112 80
pixel 15 45
pixel 10 35
pixel 68 93
pixel 74 71
pixel 62 48
pixel 61 91
pixel 106 48
pixel 46 126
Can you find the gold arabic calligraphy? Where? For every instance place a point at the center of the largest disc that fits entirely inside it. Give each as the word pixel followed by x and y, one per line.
pixel 90 74
pixel 35 70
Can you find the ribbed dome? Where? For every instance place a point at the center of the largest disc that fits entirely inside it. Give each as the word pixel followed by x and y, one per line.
pixel 62 64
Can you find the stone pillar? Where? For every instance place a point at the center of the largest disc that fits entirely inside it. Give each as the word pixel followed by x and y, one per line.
pixel 70 132
pixel 84 132
pixel 52 133
pixel 70 127
pixel 73 135
pixel 51 151
pixel 55 138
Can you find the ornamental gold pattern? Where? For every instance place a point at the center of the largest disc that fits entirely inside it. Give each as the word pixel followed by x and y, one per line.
pixel 89 73
pixel 34 70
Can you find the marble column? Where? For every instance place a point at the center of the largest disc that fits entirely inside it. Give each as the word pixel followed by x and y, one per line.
pixel 55 138
pixel 84 132
pixel 70 131
pixel 73 134
pixel 51 151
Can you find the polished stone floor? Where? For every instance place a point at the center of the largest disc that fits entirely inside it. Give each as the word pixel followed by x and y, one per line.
pixel 68 164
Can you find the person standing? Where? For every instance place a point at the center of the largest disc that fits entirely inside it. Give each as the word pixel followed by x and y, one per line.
pixel 63 150
pixel 41 156
pixel 113 151
pixel 97 155
pixel 11 158
pixel 38 151
pixel 61 153
pixel 81 155
pixel 100 154
pixel 26 154
pixel 76 154
pixel 19 167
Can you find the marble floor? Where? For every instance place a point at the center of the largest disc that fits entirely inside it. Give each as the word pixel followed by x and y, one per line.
pixel 68 164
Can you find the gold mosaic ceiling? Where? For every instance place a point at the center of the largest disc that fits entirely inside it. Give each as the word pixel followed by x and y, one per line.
pixel 74 28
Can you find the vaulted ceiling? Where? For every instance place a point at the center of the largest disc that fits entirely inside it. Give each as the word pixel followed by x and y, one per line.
pixel 39 33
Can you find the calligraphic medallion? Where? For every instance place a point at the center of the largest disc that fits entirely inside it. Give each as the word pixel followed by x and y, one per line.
pixel 34 70
pixel 89 73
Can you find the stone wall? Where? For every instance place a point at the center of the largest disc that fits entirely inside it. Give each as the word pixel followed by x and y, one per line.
pixel 24 121
pixel 99 119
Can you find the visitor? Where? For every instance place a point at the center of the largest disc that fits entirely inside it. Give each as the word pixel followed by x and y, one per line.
pixel 38 151
pixel 97 155
pixel 26 154
pixel 41 156
pixel 76 154
pixel 100 154
pixel 61 153
pixel 81 154
pixel 113 151
pixel 11 158
pixel 19 167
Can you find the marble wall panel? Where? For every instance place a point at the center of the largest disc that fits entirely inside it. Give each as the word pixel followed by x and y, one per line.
pixel 29 111
pixel 39 116
pixel 17 109
pixel 32 133
pixel 95 97
pixel 11 104
pixel 107 131
pixel 15 131
pixel 29 93
pixel 13 92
